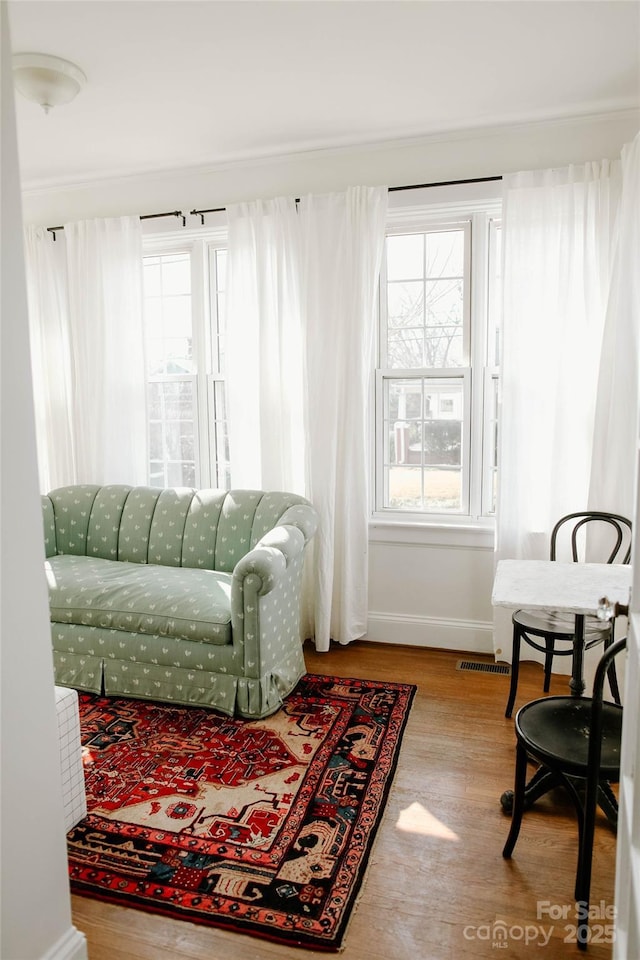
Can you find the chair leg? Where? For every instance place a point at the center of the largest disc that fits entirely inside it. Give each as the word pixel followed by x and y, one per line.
pixel 583 880
pixel 612 676
pixel 548 663
pixel 608 803
pixel 518 800
pixel 585 859
pixel 578 802
pixel 515 668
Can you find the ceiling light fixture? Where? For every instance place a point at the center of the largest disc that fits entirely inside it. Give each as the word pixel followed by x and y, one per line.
pixel 49 81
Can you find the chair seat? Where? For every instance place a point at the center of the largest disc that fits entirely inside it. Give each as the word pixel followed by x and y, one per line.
pixel 560 625
pixel 556 731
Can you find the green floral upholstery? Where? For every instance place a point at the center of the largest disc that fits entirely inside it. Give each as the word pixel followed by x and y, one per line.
pixel 141 598
pixel 190 596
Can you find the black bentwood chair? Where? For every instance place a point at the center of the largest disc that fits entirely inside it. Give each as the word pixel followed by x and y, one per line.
pixel 576 741
pixel 557 629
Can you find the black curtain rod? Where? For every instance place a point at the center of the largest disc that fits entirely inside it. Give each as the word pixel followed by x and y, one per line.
pixel 201 213
pixel 143 216
pixel 411 186
pixel 444 183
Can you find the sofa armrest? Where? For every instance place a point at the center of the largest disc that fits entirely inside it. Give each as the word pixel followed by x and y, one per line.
pixel 277 548
pixel 265 600
pixel 261 568
pixel 303 517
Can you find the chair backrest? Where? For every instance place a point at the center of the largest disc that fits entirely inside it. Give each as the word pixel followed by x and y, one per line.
pixel 568 529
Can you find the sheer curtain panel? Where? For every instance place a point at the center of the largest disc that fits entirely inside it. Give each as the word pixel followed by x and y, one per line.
pixel 558 238
pixel 104 269
pixel 342 242
pixel 300 326
pixel 616 430
pixel 264 346
pixel 50 357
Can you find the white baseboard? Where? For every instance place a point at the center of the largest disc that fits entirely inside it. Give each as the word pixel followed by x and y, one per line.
pixel 72 945
pixel 468 636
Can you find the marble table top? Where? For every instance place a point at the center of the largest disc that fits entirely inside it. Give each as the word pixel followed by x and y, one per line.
pixel 572 587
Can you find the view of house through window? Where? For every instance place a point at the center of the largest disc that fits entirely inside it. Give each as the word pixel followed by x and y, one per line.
pixel 436 388
pixel 183 293
pixel 172 400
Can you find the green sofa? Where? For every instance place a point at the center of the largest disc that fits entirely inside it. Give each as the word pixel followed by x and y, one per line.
pixel 180 595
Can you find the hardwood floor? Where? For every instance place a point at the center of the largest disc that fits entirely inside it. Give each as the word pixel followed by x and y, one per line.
pixel 437 882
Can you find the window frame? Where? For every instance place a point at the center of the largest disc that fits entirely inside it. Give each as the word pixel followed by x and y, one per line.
pixel 476 523
pixel 220 470
pixel 201 247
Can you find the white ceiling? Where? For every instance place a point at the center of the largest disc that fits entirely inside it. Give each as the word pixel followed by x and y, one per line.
pixel 179 83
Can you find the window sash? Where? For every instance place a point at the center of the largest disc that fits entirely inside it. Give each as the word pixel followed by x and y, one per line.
pixel 479 469
pixel 458 379
pixel 218 433
pixel 494 294
pixel 209 409
pixel 442 226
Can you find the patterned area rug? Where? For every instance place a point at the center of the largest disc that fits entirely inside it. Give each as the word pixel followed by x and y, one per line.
pixel 263 827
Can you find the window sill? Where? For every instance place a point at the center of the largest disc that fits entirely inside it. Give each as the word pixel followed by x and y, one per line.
pixel 464 533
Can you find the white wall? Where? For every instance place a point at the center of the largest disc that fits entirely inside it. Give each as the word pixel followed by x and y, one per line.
pixel 36 913
pixel 447 157
pixel 431 595
pixel 435 593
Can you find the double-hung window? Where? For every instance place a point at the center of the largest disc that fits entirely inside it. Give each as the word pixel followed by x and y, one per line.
pixel 184 285
pixel 437 378
pixel 437 375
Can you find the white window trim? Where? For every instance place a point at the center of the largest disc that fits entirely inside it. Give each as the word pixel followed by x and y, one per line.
pixel 480 535
pixel 474 529
pixel 202 351
pixel 490 373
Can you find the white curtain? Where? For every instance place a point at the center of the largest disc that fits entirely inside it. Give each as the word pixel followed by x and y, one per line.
pixel 558 243
pixel 264 346
pixel 87 340
pixel 616 430
pixel 343 237
pixel 50 357
pixel 300 328
pixel 104 275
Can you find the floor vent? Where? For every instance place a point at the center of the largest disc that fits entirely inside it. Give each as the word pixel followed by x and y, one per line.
pixel 480 667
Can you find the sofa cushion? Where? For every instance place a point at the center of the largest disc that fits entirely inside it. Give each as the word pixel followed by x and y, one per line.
pixel 167 526
pixel 145 598
pixel 105 520
pixel 72 510
pixel 135 525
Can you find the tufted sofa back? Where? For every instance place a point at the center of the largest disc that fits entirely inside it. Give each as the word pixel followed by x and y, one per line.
pixel 208 529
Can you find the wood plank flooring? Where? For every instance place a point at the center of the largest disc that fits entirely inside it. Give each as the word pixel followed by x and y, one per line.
pixel 437 882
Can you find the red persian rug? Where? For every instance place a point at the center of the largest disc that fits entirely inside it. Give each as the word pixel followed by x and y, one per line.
pixel 263 827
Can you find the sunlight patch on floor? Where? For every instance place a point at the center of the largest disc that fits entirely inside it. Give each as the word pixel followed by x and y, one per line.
pixel 417 819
